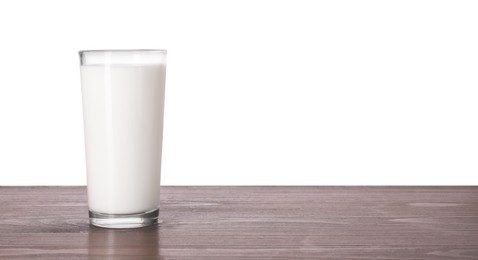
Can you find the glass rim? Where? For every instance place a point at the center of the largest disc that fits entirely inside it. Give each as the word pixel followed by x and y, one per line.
pixel 123 50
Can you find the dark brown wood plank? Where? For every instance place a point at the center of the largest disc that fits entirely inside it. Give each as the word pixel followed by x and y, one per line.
pixel 245 222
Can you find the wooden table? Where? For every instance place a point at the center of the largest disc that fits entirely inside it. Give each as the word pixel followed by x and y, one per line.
pixel 250 223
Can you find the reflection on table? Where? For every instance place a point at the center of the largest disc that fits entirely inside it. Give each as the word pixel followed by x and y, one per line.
pixel 126 243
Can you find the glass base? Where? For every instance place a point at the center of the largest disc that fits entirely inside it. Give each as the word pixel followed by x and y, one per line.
pixel 138 220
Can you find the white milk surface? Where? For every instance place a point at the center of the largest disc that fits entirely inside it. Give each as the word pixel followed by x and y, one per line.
pixel 123 118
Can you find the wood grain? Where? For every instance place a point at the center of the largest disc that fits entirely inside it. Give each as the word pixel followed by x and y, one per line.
pixel 245 222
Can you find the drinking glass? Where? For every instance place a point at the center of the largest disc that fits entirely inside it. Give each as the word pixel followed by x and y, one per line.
pixel 123 104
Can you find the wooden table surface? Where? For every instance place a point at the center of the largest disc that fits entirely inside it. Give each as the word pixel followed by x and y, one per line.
pixel 225 222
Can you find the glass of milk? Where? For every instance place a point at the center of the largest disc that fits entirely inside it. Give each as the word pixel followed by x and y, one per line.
pixel 123 104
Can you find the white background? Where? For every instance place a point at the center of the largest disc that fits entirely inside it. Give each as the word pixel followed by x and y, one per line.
pixel 258 92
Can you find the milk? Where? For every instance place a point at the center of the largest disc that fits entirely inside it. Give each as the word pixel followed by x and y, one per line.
pixel 123 119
